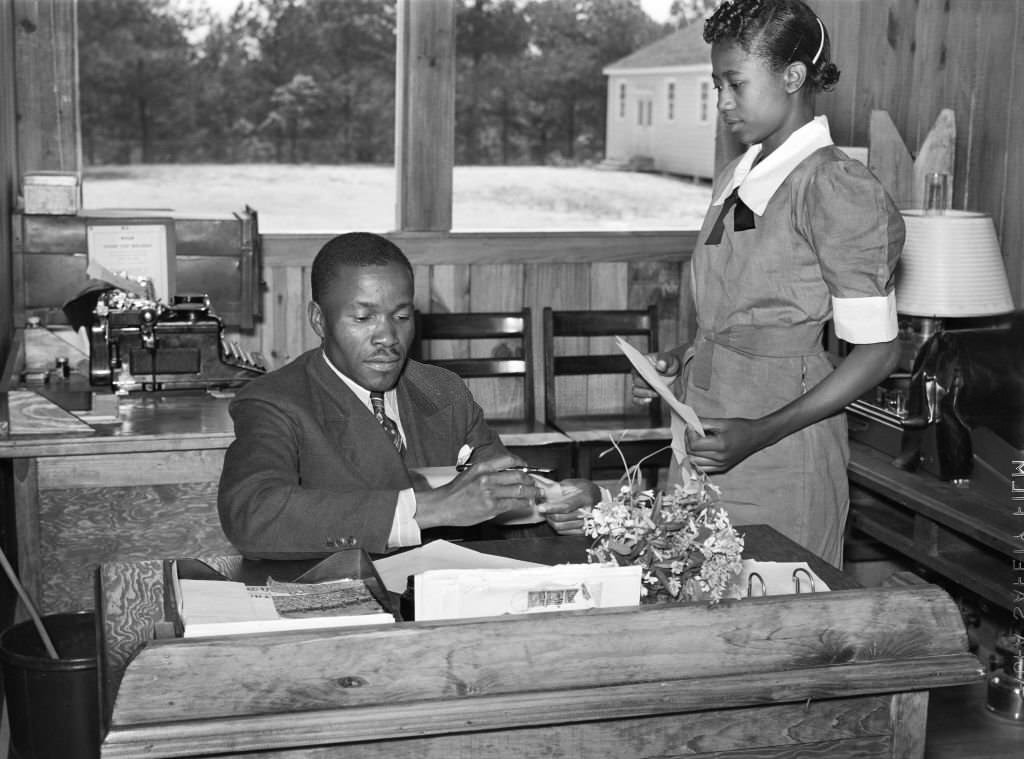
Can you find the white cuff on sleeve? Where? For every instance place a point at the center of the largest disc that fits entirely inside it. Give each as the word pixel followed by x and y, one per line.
pixel 405 531
pixel 865 320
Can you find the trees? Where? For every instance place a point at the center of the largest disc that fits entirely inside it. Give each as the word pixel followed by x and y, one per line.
pixel 313 80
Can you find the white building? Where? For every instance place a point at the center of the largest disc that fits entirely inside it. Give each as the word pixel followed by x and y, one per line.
pixel 661 107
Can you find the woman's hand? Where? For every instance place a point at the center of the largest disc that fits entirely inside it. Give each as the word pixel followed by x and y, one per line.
pixel 726 442
pixel 563 511
pixel 666 364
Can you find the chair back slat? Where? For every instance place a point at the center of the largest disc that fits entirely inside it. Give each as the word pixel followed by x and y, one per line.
pixel 564 361
pixel 510 358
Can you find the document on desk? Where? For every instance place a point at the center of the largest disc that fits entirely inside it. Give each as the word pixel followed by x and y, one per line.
pixel 224 607
pixel 394 570
pixel 466 593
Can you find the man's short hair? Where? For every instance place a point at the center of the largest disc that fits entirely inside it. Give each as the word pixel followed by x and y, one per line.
pixel 352 249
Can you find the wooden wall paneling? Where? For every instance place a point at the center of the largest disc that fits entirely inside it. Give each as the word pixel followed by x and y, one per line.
pixel 893 90
pixel 663 283
pixel 932 28
pixel 609 289
pixel 538 247
pixel 8 175
pixel 562 287
pixel 994 26
pixel 449 294
pixel 497 287
pixel 1010 224
pixel 46 67
pixel 25 491
pixel 970 34
pixel 842 20
pixel 421 288
pixel 290 332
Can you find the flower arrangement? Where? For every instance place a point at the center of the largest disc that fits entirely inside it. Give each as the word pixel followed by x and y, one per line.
pixel 684 541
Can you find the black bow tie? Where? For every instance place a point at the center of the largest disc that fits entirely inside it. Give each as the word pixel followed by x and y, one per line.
pixel 742 217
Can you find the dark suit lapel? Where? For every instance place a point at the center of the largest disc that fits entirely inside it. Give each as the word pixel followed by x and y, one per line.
pixel 428 427
pixel 361 443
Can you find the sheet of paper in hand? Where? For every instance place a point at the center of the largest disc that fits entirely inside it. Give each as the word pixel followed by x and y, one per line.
pixel 646 370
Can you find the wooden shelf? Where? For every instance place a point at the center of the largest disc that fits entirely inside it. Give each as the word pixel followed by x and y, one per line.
pixel 963 535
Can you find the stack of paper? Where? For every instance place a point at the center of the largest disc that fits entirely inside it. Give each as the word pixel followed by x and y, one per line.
pixel 220 607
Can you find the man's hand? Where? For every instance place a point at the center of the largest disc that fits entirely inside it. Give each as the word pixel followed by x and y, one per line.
pixel 479 493
pixel 666 364
pixel 563 512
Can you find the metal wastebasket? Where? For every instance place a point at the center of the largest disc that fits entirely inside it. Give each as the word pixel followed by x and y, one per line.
pixel 53 704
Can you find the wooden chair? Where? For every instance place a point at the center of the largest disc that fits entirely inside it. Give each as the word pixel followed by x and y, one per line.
pixel 587 387
pixel 493 352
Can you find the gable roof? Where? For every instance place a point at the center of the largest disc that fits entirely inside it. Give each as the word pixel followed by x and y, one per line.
pixel 685 47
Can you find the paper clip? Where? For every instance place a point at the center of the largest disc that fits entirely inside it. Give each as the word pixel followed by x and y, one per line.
pixel 750 584
pixel 796 579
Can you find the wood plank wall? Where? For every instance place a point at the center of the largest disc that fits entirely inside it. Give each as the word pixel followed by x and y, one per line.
pixel 913 58
pixel 502 272
pixel 8 172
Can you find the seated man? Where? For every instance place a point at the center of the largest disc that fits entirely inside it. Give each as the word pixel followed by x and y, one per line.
pixel 324 446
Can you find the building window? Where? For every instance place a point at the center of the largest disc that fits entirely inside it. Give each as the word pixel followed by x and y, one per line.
pixel 650 112
pixel 640 112
pixel 671 101
pixel 704 106
pixel 622 101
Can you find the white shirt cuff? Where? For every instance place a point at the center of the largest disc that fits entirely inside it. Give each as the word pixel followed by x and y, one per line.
pixel 865 320
pixel 405 531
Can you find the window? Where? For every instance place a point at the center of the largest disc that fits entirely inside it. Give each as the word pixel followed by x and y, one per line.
pixel 671 101
pixel 288 107
pixel 704 105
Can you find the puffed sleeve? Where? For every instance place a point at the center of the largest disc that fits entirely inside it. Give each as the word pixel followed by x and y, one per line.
pixel 858 233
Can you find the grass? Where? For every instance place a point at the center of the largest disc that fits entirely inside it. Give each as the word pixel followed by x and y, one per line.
pixel 318 198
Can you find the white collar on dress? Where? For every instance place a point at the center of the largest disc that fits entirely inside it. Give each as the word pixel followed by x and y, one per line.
pixel 758 184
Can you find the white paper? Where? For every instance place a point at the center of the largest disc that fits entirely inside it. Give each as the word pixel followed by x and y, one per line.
pixel 778 578
pixel 460 594
pixel 440 554
pixel 646 370
pixel 137 250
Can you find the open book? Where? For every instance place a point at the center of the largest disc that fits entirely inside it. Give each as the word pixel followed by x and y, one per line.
pixel 208 607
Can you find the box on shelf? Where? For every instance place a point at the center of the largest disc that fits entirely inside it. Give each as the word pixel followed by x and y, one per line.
pixel 51 192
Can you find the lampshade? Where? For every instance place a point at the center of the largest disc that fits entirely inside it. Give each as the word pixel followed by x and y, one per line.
pixel 951 267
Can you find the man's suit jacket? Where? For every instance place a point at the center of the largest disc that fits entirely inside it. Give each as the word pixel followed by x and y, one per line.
pixel 311 470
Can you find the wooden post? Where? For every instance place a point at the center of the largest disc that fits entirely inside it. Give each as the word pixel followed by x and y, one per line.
pixel 425 114
pixel 46 68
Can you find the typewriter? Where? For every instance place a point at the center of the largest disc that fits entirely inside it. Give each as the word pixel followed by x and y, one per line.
pixel 137 343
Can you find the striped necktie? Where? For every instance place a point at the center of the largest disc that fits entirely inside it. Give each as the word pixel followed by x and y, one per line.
pixel 377 401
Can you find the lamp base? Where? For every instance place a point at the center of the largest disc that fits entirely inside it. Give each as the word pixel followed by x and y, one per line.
pixel 1006 691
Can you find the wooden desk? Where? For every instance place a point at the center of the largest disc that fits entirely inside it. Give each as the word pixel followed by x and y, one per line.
pixel 840 674
pixel 966 536
pixel 144 487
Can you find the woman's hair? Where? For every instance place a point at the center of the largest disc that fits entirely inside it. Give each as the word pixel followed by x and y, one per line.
pixel 779 31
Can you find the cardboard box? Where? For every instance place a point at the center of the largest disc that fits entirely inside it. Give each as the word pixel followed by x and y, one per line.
pixel 51 192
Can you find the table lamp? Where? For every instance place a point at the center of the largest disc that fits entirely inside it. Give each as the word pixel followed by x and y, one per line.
pixel 951 267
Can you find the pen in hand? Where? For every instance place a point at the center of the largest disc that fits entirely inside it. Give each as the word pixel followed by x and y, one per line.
pixel 526 469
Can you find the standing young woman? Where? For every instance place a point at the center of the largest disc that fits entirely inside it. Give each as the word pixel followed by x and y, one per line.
pixel 797 234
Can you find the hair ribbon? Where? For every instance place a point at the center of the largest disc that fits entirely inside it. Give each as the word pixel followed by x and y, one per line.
pixel 821 45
